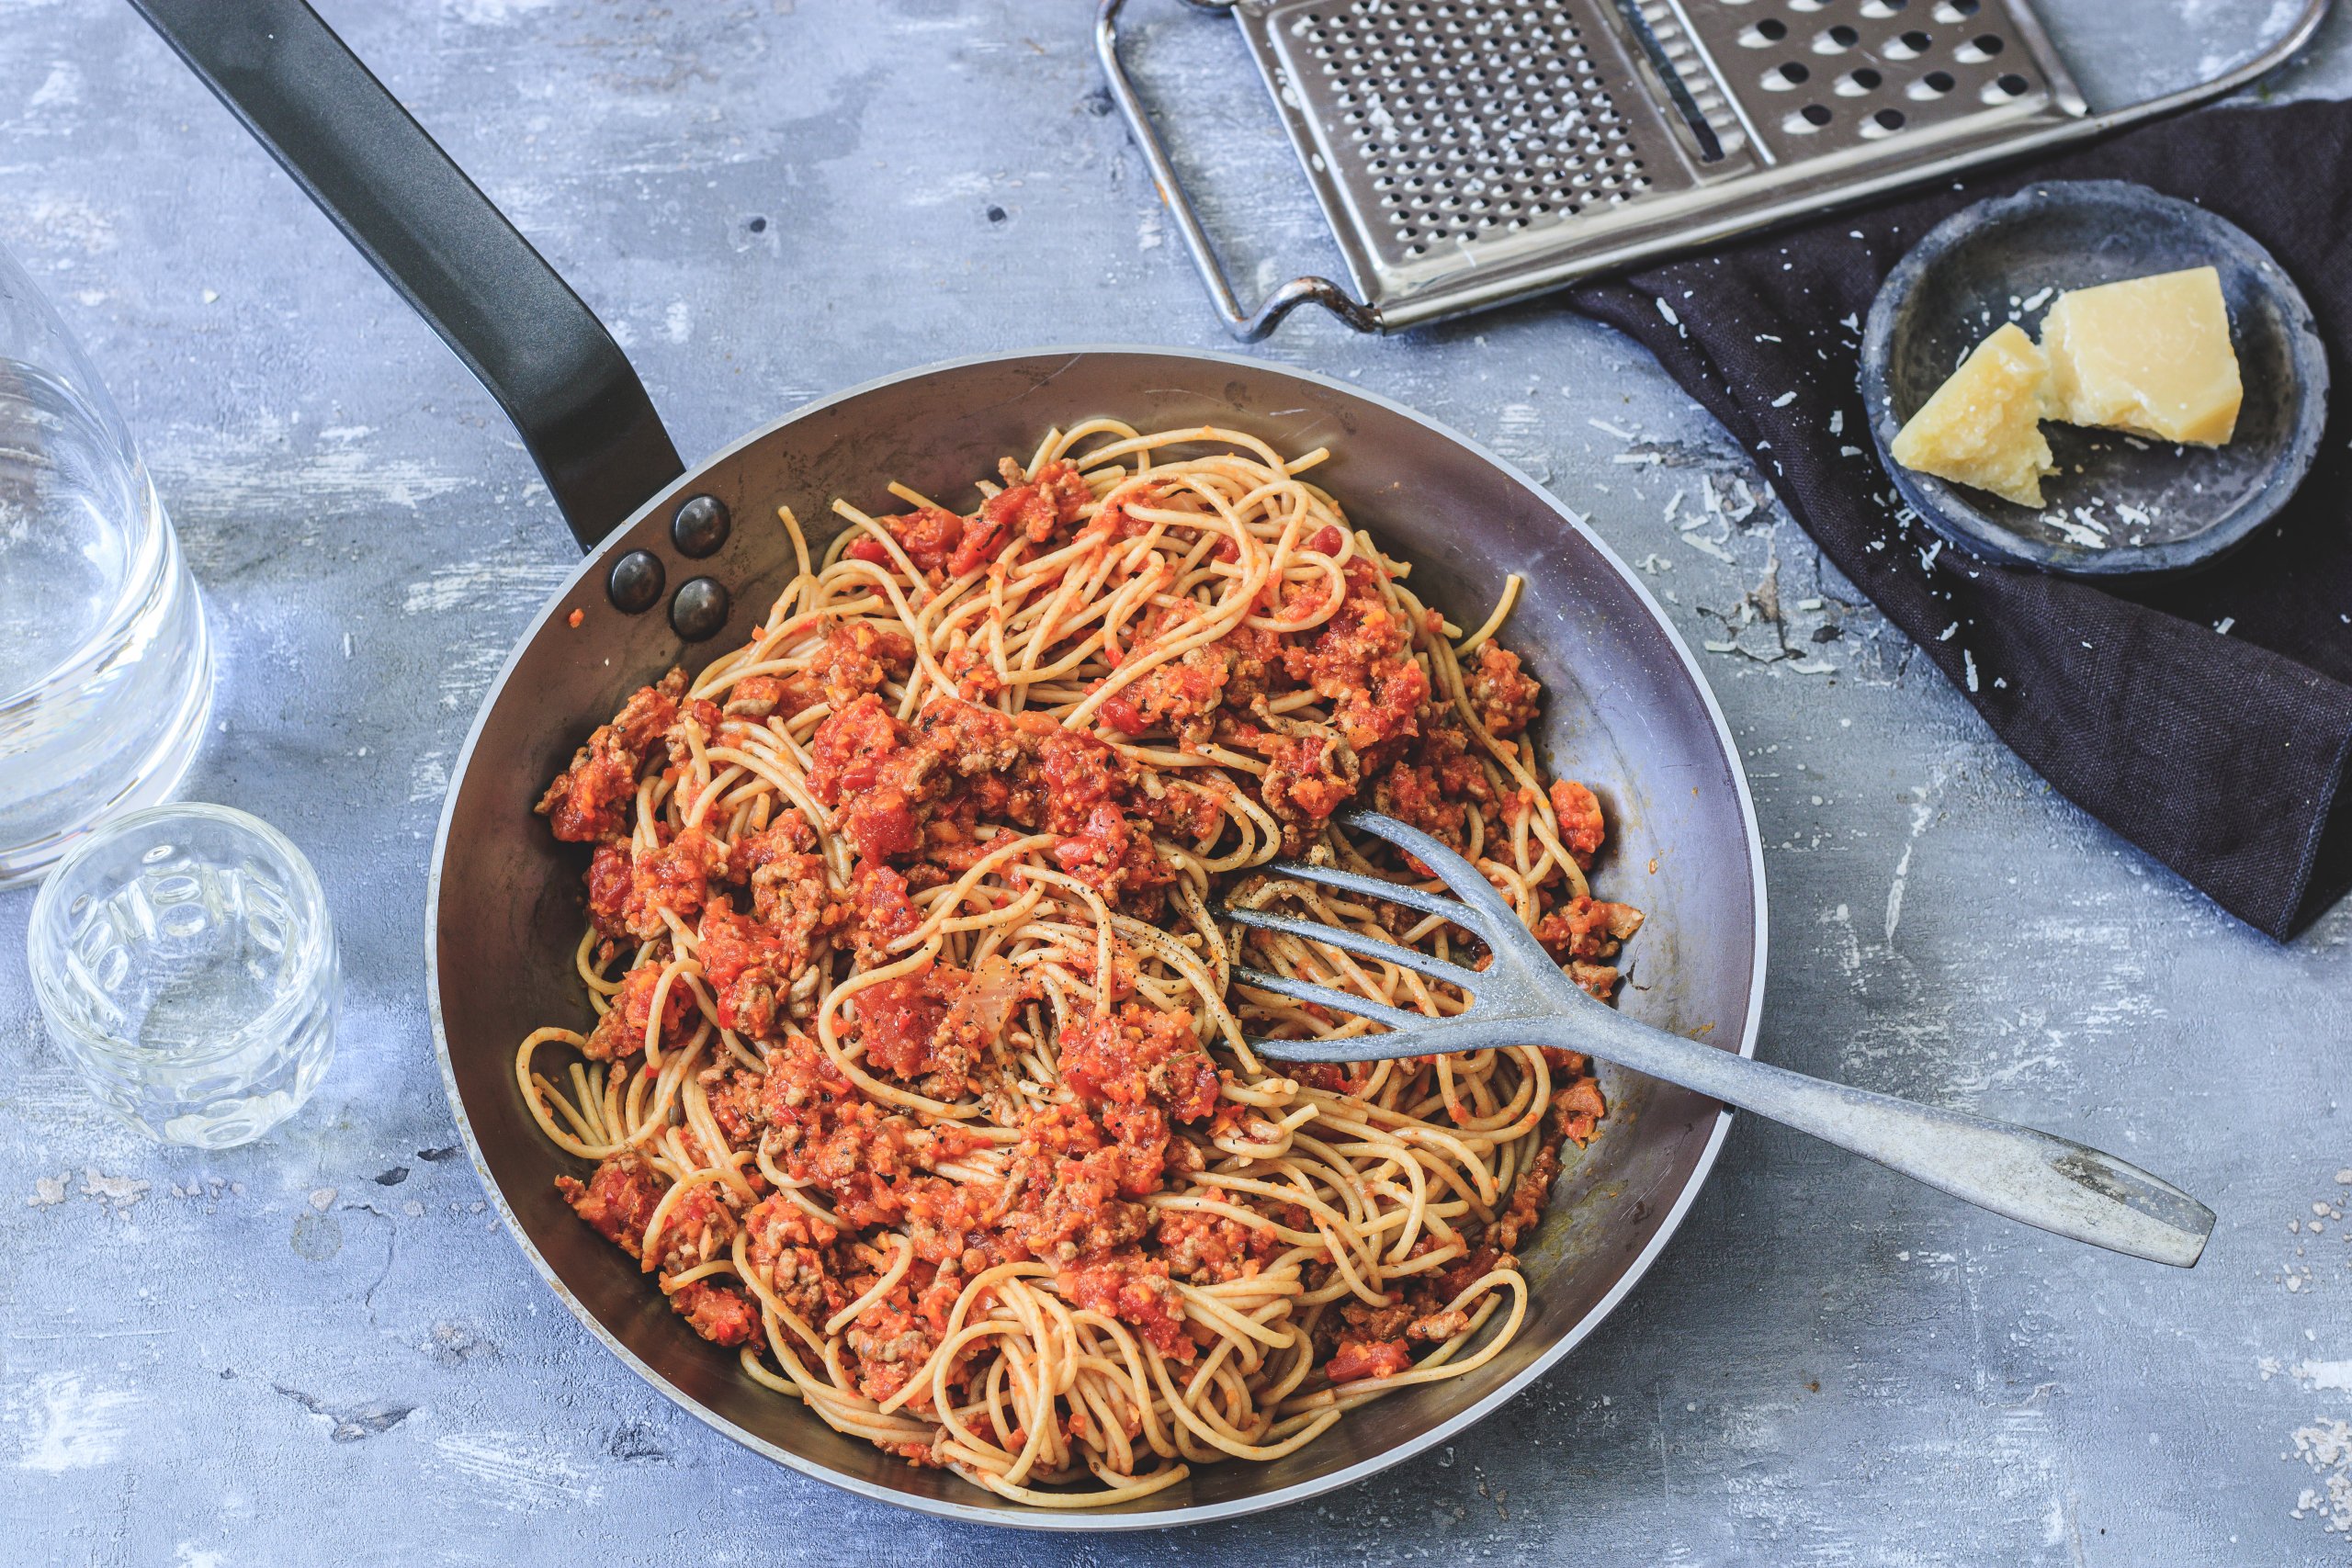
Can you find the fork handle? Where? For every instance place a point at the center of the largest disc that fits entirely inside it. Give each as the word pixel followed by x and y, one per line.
pixel 2061 1186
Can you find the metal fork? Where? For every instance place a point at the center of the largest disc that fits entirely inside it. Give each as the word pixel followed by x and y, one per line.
pixel 1522 999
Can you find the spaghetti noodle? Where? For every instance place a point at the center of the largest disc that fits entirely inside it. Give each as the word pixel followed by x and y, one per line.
pixel 919 1076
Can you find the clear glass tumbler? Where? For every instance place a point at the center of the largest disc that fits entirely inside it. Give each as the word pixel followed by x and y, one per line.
pixel 105 673
pixel 184 961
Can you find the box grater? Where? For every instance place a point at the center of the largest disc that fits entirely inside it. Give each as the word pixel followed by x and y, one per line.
pixel 1467 152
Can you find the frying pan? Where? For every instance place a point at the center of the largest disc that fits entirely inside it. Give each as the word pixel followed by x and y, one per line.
pixel 677 557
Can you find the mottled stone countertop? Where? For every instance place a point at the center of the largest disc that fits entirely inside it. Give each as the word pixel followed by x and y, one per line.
pixel 323 1349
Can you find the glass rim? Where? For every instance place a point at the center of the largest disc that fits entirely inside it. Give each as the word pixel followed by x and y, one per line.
pixel 46 956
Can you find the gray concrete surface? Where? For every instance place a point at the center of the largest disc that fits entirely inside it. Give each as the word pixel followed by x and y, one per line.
pixel 322 1349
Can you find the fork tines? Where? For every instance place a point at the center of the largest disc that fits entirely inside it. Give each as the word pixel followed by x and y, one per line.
pixel 1475 911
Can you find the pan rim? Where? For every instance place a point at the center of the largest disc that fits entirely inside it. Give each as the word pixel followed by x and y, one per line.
pixel 1008 1515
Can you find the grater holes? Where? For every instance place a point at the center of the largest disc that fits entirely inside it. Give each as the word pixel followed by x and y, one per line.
pixel 1462 132
pixel 1466 120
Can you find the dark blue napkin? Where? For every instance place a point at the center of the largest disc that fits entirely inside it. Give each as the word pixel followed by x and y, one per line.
pixel 2221 753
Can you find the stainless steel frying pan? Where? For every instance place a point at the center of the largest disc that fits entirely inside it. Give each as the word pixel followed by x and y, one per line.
pixel 677 557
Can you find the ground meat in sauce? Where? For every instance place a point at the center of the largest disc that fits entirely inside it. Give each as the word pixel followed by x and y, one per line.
pixel 1503 698
pixel 720 1314
pixel 857 657
pixel 590 800
pixel 1356 1359
pixel 1577 1110
pixel 1578 811
pixel 698 1227
pixel 1141 1056
pixel 1434 788
pixel 1136 1290
pixel 792 1251
pixel 930 1029
pixel 1033 510
pixel 929 535
pixel 1210 1249
pixel 1307 778
pixel 733 1095
pixel 915 799
pixel 611 875
pixel 1588 928
pixel 622 1029
pixel 675 877
pixel 618 1199
pixel 889 1343
pixel 1065 1191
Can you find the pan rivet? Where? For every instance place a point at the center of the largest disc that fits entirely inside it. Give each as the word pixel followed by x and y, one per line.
pixel 698 609
pixel 636 583
pixel 700 527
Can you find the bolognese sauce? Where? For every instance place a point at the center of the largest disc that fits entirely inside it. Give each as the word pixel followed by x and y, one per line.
pixel 920 1076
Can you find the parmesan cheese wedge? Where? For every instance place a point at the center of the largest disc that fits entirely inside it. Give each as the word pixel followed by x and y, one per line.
pixel 2151 356
pixel 1982 426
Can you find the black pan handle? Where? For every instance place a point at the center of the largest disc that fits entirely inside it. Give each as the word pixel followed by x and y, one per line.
pixel 583 413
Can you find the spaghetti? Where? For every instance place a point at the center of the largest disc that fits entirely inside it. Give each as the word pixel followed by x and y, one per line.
pixel 920 1076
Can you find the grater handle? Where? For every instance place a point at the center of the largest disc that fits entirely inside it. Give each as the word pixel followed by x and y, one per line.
pixel 2271 56
pixel 1245 325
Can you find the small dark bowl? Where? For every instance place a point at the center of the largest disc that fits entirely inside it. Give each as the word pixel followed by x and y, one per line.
pixel 1980 267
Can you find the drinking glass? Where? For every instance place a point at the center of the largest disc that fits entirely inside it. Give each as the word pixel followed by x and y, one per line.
pixel 105 673
pixel 184 961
